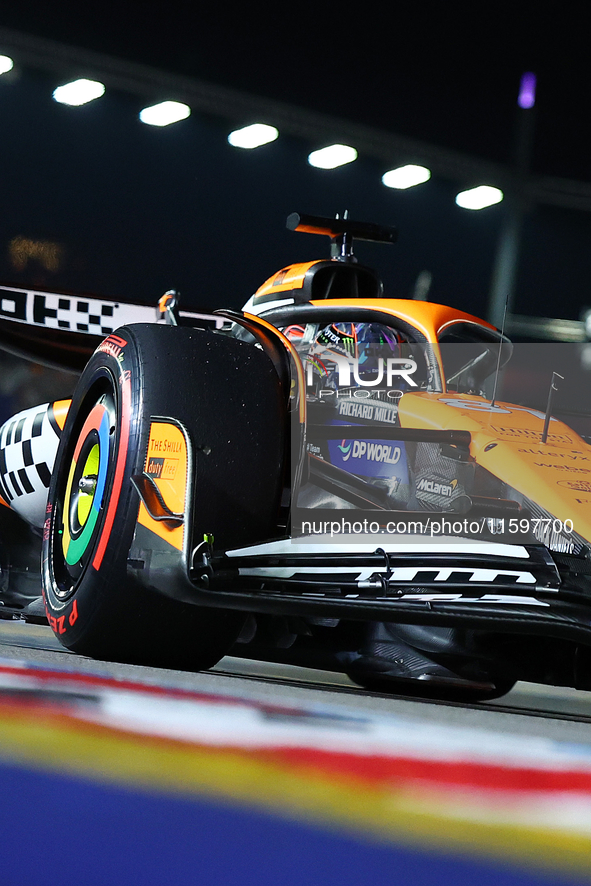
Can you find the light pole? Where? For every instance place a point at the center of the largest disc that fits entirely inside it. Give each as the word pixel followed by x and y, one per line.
pixel 506 262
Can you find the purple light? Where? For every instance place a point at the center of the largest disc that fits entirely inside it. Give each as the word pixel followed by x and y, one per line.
pixel 527 91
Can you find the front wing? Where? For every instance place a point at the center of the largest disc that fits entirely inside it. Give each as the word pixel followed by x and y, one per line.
pixel 523 589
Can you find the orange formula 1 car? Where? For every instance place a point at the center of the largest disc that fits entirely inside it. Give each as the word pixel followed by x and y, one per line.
pixel 330 478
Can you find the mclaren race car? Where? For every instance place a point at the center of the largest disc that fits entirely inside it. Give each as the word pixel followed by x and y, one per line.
pixel 329 477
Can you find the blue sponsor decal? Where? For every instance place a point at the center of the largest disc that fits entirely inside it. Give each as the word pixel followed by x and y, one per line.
pixel 370 458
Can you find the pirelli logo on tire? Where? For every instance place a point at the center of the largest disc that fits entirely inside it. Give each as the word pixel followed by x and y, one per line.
pixel 167 466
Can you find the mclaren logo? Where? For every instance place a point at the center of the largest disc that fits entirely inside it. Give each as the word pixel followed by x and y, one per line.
pixel 437 488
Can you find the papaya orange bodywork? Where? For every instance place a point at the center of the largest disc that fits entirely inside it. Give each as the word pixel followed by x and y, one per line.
pixel 429 318
pixel 506 442
pixel 60 411
pixel 167 465
pixel 291 277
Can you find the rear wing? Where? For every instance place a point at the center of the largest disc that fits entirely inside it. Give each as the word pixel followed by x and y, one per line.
pixel 63 329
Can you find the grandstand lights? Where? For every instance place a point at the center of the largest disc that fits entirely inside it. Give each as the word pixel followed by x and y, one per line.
pixel 78 92
pixel 332 156
pixel 253 136
pixel 165 113
pixel 406 177
pixel 479 198
pixel 6 64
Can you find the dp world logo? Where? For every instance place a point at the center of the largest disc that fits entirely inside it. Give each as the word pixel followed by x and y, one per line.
pixel 370 451
pixel 345 450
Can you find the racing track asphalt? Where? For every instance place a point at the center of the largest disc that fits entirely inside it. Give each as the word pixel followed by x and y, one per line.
pixel 551 712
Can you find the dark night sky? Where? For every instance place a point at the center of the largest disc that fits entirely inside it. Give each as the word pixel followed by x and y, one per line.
pixel 141 211
pixel 445 72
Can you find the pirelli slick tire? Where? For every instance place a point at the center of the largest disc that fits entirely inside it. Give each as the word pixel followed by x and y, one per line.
pixel 222 398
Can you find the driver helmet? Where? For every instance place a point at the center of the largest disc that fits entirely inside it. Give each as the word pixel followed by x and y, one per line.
pixel 363 348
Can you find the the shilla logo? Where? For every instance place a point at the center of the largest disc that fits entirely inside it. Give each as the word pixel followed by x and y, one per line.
pixel 436 488
pixel 387 369
pixel 379 452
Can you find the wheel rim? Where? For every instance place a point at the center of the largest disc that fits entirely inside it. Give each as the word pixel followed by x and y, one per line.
pixel 79 510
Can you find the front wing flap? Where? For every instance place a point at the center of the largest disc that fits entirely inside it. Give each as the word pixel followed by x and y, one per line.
pixel 489 586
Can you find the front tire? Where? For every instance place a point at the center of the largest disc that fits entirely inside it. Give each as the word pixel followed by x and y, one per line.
pixel 95 604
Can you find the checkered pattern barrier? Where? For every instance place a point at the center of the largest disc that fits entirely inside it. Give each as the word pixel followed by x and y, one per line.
pixel 72 313
pixel 75 313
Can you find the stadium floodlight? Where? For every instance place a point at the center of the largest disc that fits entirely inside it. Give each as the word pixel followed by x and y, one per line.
pixel 253 136
pixel 78 92
pixel 479 198
pixel 406 177
pixel 165 113
pixel 332 156
pixel 6 64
